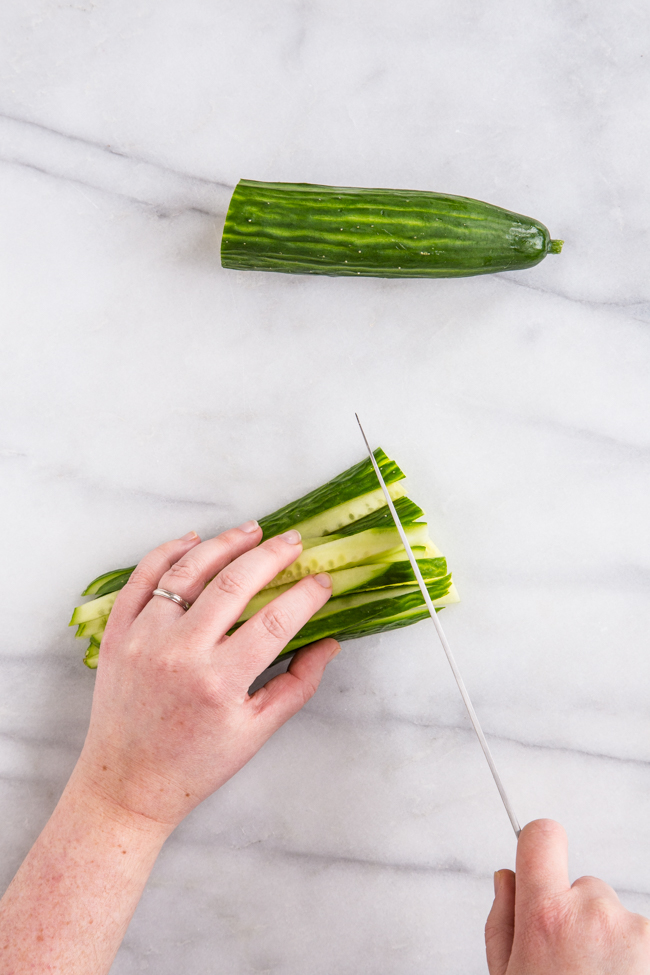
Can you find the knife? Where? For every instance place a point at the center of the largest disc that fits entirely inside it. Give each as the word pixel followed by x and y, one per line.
pixel 445 644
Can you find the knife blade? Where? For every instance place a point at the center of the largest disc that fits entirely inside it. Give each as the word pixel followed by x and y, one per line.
pixel 445 643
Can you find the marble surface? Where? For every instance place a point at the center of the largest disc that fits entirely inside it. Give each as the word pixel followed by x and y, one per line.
pixel 146 392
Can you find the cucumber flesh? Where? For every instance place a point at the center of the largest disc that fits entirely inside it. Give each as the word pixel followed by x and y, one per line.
pixel 94 609
pixel 437 589
pixel 428 550
pixel 359 579
pixel 432 551
pixel 396 574
pixel 407 512
pixel 397 555
pixel 355 481
pixel 416 612
pixel 340 553
pixel 385 575
pixel 91 658
pixel 344 516
pixel 371 612
pixel 92 627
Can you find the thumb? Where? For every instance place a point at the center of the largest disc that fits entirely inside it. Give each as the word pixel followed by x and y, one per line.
pixel 500 925
pixel 279 700
pixel 542 864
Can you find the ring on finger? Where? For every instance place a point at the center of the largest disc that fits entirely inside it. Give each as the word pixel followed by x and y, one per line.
pixel 173 596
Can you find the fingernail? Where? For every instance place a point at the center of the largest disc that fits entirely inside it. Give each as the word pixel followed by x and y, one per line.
pixel 249 527
pixel 497 881
pixel 292 537
pixel 336 650
pixel 189 537
pixel 324 579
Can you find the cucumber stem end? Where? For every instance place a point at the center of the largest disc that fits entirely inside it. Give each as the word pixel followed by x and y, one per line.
pixel 555 247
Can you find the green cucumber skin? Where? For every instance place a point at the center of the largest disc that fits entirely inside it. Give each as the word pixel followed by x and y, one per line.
pixel 382 575
pixel 367 618
pixel 109 582
pixel 355 481
pixel 407 512
pixel 303 228
pixel 362 548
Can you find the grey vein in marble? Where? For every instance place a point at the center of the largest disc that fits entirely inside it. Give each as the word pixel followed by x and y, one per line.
pixel 105 168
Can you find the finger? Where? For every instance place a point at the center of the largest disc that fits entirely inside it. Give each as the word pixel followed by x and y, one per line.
pixel 188 576
pixel 260 639
pixel 223 601
pixel 542 866
pixel 283 696
pixel 145 577
pixel 592 887
pixel 500 925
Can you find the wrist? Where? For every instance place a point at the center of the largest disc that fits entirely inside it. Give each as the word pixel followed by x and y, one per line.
pixel 108 812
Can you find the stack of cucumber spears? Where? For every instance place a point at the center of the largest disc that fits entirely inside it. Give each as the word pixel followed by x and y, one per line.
pixel 348 531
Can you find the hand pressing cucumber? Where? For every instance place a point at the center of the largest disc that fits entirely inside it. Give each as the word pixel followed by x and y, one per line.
pixel 348 532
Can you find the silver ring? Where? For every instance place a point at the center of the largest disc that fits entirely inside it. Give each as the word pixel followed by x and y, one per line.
pixel 173 596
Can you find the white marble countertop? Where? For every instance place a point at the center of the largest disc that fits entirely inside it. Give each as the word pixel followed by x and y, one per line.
pixel 146 392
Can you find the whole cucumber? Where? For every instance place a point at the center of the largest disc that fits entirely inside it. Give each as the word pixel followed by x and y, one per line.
pixel 303 228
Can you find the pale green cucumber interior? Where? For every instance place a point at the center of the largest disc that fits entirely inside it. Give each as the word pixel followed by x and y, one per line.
pixel 94 609
pixel 407 511
pixel 355 600
pixel 398 554
pixel 349 617
pixel 92 627
pixel 348 551
pixel 374 576
pixel 345 487
pixel 328 522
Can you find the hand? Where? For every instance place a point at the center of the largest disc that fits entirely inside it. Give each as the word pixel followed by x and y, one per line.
pixel 171 718
pixel 543 925
pixel 171 721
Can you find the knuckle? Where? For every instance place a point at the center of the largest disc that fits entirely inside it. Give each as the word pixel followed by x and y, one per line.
pixel 641 927
pixel 601 908
pixel 496 929
pixel 212 694
pixel 180 572
pixel 143 576
pixel 224 688
pixel 308 687
pixel 275 622
pixel 151 567
pixel 232 582
pixel 603 916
